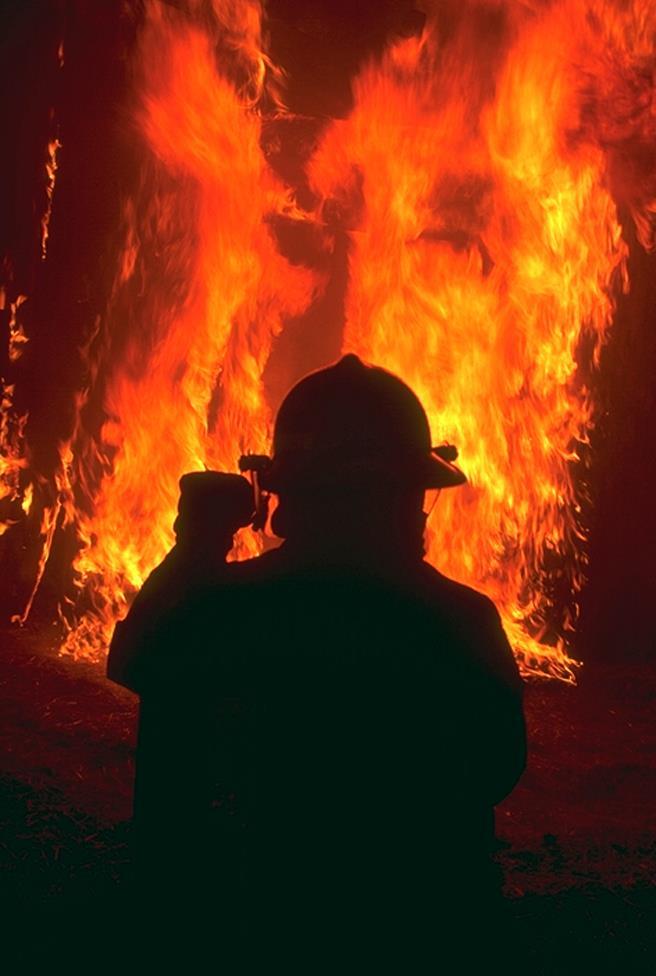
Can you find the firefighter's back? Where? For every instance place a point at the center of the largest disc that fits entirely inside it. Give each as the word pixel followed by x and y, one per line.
pixel 331 717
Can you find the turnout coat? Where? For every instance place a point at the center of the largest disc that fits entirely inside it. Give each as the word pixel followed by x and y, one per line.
pixel 321 748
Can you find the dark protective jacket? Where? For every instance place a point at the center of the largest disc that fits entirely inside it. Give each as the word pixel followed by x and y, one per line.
pixel 321 749
pixel 170 583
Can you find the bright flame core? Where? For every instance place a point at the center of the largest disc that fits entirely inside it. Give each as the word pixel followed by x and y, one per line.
pixel 484 250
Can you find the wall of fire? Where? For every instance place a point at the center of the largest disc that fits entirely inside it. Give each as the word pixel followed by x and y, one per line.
pixel 85 106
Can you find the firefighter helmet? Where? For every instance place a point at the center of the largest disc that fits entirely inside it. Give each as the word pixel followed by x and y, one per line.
pixel 353 422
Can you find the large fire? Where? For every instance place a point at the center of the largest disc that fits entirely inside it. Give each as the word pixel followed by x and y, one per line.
pixel 475 181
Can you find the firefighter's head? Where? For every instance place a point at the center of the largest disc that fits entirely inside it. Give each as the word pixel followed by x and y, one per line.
pixel 352 441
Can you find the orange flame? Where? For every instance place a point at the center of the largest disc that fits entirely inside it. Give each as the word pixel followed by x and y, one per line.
pixel 485 247
pixel 473 180
pixel 195 399
pixel 13 454
pixel 51 172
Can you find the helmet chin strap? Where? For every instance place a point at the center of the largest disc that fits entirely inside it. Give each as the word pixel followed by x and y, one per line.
pixel 432 494
pixel 253 465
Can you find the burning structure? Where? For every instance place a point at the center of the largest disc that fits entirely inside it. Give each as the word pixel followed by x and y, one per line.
pixel 457 220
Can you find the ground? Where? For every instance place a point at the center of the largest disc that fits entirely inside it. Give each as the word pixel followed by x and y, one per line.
pixel 577 835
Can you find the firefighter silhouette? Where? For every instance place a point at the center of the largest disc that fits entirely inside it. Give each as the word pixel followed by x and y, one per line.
pixel 337 720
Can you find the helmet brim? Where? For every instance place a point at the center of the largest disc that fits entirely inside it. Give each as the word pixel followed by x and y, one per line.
pixel 439 473
pixel 429 471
